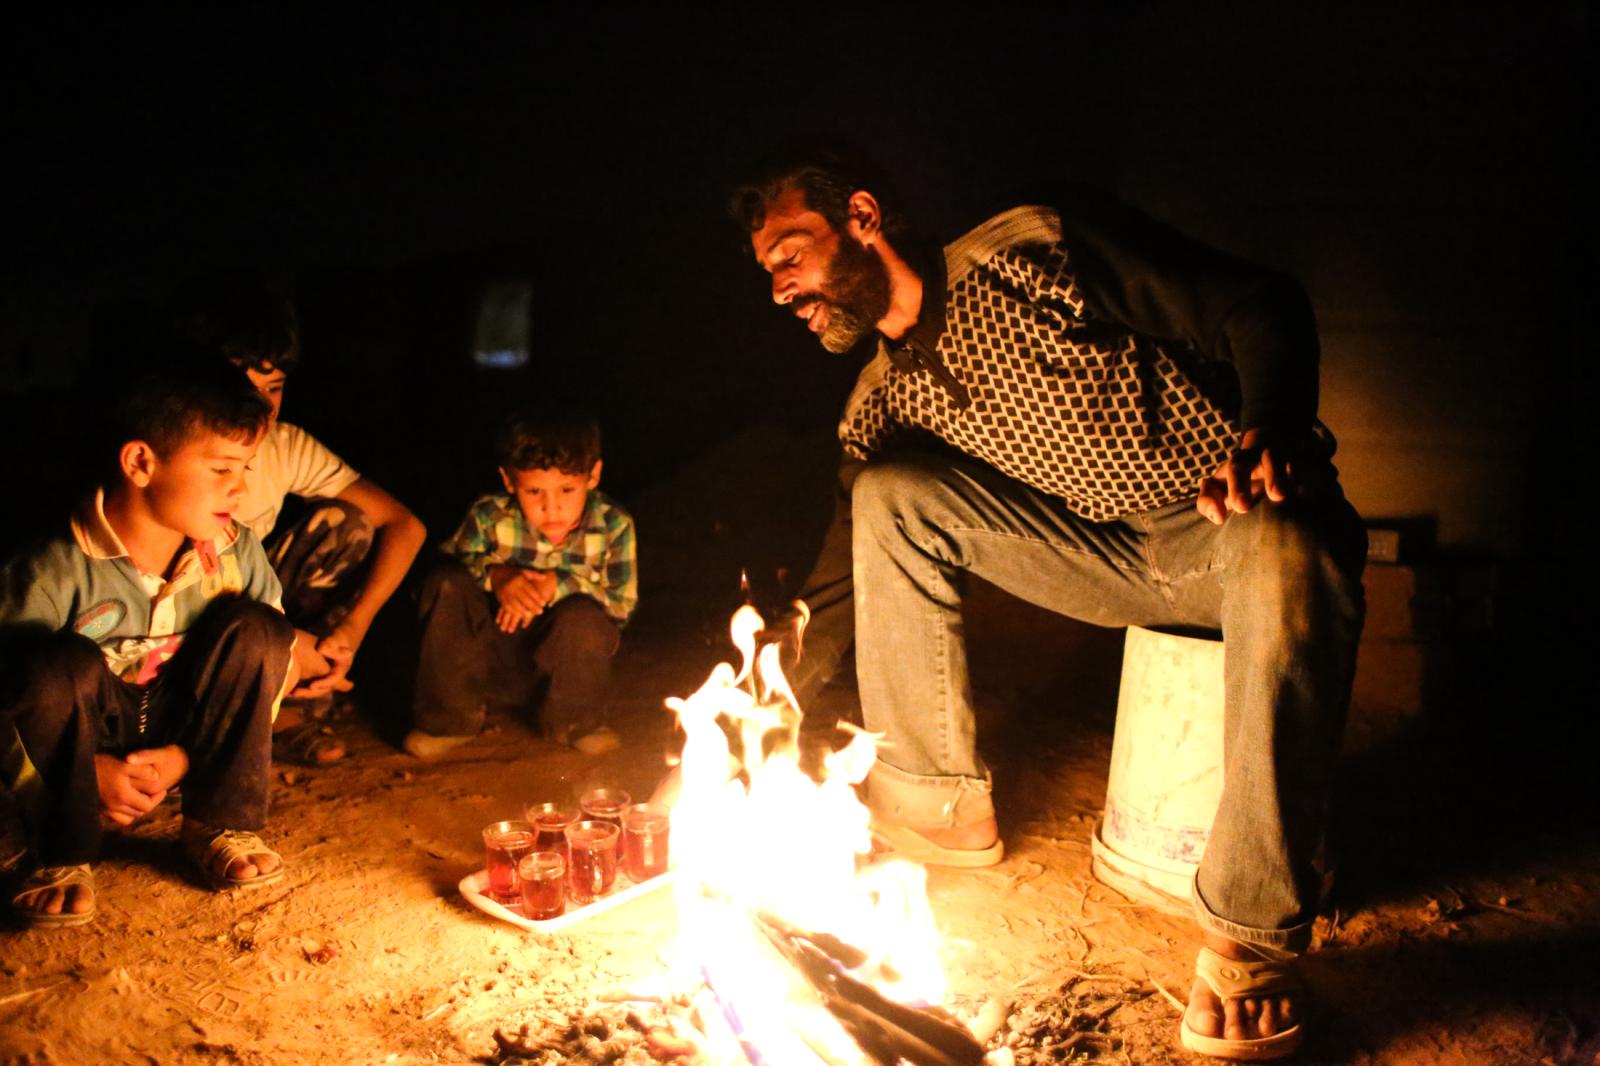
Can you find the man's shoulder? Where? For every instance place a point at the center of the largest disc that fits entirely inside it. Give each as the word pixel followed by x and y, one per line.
pixel 1023 225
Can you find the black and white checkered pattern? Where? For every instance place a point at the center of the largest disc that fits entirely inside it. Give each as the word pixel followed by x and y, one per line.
pixel 1072 406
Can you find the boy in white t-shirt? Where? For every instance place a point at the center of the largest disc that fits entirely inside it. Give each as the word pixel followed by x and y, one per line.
pixel 340 562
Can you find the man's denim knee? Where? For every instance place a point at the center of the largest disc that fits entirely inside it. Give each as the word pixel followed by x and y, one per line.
pixel 1281 553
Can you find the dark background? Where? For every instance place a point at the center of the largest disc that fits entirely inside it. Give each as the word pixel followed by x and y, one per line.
pixel 1421 173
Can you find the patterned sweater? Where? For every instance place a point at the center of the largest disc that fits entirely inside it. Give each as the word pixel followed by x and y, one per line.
pixel 1105 360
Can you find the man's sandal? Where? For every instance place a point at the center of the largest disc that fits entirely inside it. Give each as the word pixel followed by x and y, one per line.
pixel 218 849
pixel 903 843
pixel 43 880
pixel 1235 979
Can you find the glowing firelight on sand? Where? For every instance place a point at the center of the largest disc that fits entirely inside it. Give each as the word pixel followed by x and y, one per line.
pixel 781 844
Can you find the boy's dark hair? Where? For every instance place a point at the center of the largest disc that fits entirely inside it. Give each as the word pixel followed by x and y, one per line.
pixel 246 317
pixel 828 175
pixel 531 439
pixel 174 402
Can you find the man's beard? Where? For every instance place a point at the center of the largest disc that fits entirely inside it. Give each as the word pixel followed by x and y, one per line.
pixel 857 295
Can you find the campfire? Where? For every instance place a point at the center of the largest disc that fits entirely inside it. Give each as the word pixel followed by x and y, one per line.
pixel 794 946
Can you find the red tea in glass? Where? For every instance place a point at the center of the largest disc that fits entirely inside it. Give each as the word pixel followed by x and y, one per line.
pixel 503 844
pixel 592 859
pixel 550 821
pixel 645 830
pixel 605 805
pixel 544 885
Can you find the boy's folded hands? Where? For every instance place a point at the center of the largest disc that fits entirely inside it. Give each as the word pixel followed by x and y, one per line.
pixel 132 787
pixel 523 594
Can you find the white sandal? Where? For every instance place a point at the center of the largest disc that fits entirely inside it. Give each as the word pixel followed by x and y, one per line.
pixel 43 880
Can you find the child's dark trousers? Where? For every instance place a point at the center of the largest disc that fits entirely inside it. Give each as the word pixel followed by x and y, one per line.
pixel 213 699
pixel 560 662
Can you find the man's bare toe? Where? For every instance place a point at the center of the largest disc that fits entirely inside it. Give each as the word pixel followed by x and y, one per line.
pixel 1235 1025
pixel 1267 1023
pixel 1205 1013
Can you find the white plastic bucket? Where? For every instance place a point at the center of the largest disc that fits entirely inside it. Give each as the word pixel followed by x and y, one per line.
pixel 1166 768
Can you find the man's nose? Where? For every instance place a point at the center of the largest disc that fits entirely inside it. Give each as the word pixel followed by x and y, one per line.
pixel 783 287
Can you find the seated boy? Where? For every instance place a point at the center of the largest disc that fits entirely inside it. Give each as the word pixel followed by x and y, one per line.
pixel 144 645
pixel 339 563
pixel 531 597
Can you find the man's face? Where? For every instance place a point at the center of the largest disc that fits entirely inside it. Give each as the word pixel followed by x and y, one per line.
pixel 829 279
pixel 198 486
pixel 269 383
pixel 551 500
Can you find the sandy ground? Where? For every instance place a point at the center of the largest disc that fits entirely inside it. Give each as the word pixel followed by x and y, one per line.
pixel 1455 936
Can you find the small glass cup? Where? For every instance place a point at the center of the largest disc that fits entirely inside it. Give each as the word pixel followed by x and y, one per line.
pixel 550 821
pixel 645 832
pixel 592 858
pixel 544 885
pixel 605 804
pixel 503 844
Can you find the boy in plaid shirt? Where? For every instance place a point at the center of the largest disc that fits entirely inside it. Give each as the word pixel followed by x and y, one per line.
pixel 528 605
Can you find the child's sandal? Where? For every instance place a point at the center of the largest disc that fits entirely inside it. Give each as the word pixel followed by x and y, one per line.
pixel 219 849
pixel 43 880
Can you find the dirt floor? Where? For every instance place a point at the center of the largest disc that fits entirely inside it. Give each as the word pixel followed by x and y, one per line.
pixel 1455 937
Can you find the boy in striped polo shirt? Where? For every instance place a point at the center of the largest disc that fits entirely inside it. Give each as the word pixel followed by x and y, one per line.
pixel 144 645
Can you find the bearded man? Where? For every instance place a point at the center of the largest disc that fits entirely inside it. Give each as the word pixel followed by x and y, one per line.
pixel 1115 422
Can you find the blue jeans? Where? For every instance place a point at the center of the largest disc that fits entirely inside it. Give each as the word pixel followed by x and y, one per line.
pixel 1282 583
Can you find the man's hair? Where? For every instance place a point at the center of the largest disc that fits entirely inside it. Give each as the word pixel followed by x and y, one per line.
pixel 828 176
pixel 170 405
pixel 535 439
pixel 243 316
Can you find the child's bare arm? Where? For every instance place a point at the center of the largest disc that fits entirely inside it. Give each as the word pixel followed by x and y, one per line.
pixel 398 537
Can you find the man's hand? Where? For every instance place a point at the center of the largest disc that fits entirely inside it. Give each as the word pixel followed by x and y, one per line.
pixel 1261 467
pixel 128 791
pixel 523 594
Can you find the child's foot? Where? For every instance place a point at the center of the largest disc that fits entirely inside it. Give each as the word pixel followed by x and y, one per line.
pixel 426 746
pixel 56 896
pixel 602 741
pixel 303 740
pixel 230 858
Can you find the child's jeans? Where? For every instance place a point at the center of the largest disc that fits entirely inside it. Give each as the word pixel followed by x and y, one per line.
pixel 214 699
pixel 562 659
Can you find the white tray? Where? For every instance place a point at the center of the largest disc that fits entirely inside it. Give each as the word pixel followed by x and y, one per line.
pixel 472 887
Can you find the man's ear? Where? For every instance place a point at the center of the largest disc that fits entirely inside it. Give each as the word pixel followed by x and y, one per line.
pixel 594 476
pixel 505 479
pixel 137 461
pixel 864 219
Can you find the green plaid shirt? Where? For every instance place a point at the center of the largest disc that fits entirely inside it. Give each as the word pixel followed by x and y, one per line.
pixel 597 559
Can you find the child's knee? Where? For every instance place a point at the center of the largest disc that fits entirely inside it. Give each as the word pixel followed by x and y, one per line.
pixel 64 662
pixel 254 628
pixel 581 627
pixel 443 579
